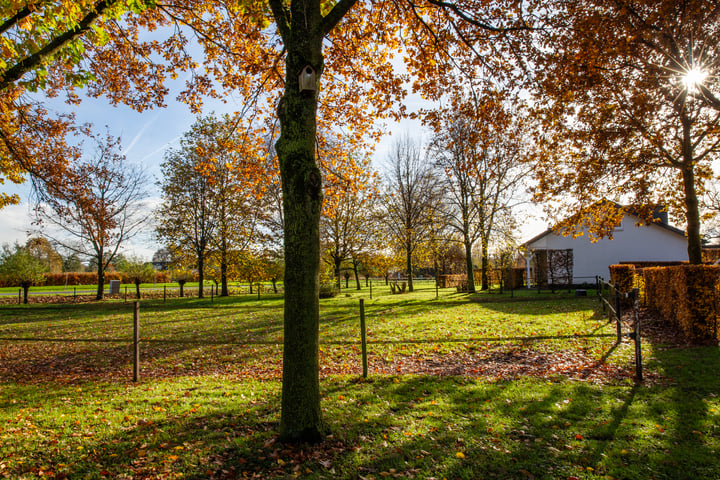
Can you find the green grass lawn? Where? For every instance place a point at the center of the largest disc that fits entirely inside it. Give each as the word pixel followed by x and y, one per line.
pixel 458 388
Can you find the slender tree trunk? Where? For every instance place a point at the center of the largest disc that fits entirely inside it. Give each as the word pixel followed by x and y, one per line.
pixel 301 419
pixel 469 265
pixel 26 292
pixel 408 260
pixel 182 288
pixel 484 262
pixel 137 289
pixel 201 275
pixel 223 272
pixel 100 275
pixel 692 211
pixel 357 277
pixel 337 261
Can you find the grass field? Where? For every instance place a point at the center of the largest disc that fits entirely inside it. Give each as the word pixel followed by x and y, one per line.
pixel 488 387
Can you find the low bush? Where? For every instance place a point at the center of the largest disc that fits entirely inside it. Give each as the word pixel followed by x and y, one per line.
pixel 328 290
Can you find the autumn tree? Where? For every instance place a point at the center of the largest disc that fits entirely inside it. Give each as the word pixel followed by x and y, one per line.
pixel 347 223
pixel 628 95
pixel 41 249
pixel 136 270
pixel 186 219
pixel 19 267
pixel 479 145
pixel 59 47
pixel 237 181
pixel 96 207
pixel 262 53
pixel 378 263
pixel 411 195
pixel 72 263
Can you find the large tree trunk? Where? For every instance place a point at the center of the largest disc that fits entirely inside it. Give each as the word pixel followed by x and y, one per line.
pixel 692 211
pixel 469 264
pixel 302 200
pixel 26 292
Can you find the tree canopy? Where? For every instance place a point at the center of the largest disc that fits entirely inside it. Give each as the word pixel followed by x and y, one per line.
pixel 627 94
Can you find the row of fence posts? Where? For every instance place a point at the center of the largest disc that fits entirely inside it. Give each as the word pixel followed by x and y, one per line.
pixel 613 305
pixel 136 340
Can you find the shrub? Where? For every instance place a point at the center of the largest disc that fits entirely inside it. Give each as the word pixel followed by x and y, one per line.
pixel 685 295
pixel 328 290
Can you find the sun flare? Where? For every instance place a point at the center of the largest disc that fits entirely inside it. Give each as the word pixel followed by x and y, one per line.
pixel 693 78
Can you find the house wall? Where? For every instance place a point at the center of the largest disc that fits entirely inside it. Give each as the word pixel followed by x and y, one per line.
pixel 630 243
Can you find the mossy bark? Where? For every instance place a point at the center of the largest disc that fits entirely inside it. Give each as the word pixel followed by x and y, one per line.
pixel 301 419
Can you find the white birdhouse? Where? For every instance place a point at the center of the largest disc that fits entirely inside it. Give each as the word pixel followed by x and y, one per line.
pixel 307 79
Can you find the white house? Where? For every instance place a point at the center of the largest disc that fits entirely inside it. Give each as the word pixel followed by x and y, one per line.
pixel 583 260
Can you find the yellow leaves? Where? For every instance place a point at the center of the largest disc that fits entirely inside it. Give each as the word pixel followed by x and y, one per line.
pixel 460 455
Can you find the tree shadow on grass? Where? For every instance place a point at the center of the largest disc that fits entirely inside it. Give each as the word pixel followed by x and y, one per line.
pixel 79 362
pixel 394 427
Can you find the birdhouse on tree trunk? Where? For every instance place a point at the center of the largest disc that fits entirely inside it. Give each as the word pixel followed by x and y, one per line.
pixel 307 79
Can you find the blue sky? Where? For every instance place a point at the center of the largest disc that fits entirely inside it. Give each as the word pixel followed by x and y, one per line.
pixel 145 138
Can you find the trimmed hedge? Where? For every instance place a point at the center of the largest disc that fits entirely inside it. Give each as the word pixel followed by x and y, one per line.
pixel 77 278
pixel 622 276
pixel 686 296
pixel 158 277
pixel 88 278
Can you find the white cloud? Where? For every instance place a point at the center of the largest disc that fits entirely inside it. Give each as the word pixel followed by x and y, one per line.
pixel 16 221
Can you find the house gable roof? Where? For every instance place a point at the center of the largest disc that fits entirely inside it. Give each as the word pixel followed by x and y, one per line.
pixel 628 211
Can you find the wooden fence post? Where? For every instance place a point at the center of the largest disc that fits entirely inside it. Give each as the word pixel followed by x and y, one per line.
pixel 136 342
pixel 19 296
pixel 363 340
pixel 636 336
pixel 164 293
pixel 618 313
